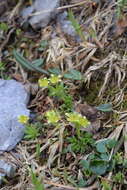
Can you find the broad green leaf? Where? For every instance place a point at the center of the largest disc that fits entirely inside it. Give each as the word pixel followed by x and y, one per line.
pixel 111 143
pixel 85 164
pixel 38 62
pixel 73 74
pixel 105 107
pixel 82 183
pixel 104 156
pixel 98 167
pixel 55 71
pixel 27 64
pixel 101 147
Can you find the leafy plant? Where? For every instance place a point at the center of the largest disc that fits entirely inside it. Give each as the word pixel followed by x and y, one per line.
pixel 73 74
pixel 105 107
pixel 38 151
pixel 100 162
pixel 2 66
pixel 121 4
pixel 119 177
pixel 2 69
pixel 4 26
pixel 105 184
pixel 78 121
pixel 35 66
pixel 76 25
pixel 80 145
pixel 31 131
pixel 38 185
pixel 57 89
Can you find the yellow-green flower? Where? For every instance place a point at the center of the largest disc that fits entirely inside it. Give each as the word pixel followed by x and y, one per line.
pixel 78 119
pixel 23 119
pixel 52 116
pixel 43 82
pixel 55 79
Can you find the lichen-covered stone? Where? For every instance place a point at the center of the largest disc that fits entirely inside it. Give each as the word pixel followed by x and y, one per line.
pixel 13 101
pixel 44 11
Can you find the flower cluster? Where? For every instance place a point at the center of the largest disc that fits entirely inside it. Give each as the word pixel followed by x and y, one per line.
pixel 77 119
pixel 54 79
pixel 52 116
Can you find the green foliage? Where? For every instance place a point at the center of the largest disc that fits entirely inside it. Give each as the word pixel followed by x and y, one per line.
pixel 43 45
pixel 2 70
pixel 31 131
pixel 28 65
pixel 2 66
pixel 36 182
pixel 103 145
pixel 55 71
pixel 80 145
pixel 57 89
pixel 119 177
pixel 73 74
pixel 105 107
pixel 106 185
pixel 121 4
pixel 38 150
pixel 100 162
pixel 4 26
pixel 18 32
pixel 76 25
pixel 119 158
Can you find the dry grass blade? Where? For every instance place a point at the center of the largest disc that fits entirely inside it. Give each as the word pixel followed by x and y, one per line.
pixel 116 133
pixel 64 187
pixel 110 64
pixel 125 140
pixel 52 153
pixel 46 145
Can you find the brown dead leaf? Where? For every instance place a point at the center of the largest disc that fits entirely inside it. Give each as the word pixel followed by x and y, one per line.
pixel 116 133
pixel 17 77
pixel 86 110
pixel 121 25
pixel 91 114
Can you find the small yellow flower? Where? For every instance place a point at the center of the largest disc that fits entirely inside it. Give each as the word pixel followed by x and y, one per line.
pixel 23 119
pixel 55 79
pixel 52 116
pixel 43 82
pixel 77 119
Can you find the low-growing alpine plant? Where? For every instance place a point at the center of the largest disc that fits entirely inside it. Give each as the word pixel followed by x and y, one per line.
pixel 58 90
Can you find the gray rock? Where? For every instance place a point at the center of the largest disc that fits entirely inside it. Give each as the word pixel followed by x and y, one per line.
pixel 45 10
pixel 6 169
pixel 66 26
pixel 13 101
